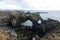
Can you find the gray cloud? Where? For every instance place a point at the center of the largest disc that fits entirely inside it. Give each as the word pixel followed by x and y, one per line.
pixel 14 4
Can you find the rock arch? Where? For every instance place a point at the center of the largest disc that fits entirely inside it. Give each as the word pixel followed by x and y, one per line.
pixel 18 18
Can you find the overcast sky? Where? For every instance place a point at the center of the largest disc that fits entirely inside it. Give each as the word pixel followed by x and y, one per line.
pixel 30 4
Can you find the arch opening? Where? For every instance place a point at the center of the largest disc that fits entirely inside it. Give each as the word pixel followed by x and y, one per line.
pixel 39 21
pixel 27 23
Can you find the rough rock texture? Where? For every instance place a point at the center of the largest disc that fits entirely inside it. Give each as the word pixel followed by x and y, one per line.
pixel 7 33
pixel 52 30
pixel 19 17
pixel 11 28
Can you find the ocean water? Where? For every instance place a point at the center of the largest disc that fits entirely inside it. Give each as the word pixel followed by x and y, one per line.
pixel 51 14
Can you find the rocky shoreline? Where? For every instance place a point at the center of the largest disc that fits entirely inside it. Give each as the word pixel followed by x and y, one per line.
pixel 11 28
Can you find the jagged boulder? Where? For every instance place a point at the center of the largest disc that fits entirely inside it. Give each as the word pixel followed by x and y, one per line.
pixel 51 25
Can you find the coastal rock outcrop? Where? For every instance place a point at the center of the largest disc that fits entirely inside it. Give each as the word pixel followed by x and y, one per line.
pixel 11 28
